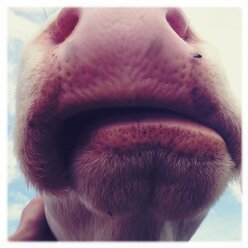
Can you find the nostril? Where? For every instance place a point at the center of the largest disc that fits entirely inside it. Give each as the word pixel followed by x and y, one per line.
pixel 178 21
pixel 65 24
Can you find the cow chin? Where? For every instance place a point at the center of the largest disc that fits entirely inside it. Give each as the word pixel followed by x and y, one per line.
pixel 148 179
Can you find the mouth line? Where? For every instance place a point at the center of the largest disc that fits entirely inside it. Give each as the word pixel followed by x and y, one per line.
pixel 88 120
pixel 86 117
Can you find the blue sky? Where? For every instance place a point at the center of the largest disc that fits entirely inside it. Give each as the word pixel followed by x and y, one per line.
pixel 224 220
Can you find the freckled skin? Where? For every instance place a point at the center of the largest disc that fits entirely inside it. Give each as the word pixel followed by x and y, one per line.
pixel 125 125
pixel 191 138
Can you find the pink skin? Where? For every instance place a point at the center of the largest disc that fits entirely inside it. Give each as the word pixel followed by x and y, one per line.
pixel 124 125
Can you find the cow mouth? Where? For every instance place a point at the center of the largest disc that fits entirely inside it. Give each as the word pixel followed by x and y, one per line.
pixel 142 155
pixel 126 128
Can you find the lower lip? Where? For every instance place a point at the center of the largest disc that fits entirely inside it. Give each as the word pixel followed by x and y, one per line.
pixel 174 133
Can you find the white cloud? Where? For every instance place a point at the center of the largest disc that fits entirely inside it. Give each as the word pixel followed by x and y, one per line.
pixel 13 170
pixel 224 33
pixel 34 11
pixel 11 89
pixel 216 227
pixel 20 28
pixel 15 209
pixel 31 11
pixel 20 197
pixel 236 190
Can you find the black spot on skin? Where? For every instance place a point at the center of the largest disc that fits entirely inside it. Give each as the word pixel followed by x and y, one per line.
pixel 197 55
pixel 194 92
pixel 31 124
pixel 110 214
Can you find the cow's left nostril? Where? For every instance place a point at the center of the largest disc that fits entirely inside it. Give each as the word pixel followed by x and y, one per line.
pixel 65 24
pixel 178 21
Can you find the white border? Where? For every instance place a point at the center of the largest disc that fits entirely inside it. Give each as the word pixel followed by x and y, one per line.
pixel 112 3
pixel 245 125
pixel 3 122
pixel 104 3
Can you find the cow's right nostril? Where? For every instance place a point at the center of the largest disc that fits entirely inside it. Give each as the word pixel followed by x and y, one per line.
pixel 65 24
pixel 178 21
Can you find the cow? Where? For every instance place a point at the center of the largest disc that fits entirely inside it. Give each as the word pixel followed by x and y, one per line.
pixel 125 124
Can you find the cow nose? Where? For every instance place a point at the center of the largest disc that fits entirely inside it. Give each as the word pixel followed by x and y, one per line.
pixel 177 20
pixel 68 18
pixel 65 23
pixel 136 47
